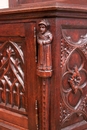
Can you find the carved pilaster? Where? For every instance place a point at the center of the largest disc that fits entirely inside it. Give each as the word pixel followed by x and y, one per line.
pixel 44 67
pixel 45 104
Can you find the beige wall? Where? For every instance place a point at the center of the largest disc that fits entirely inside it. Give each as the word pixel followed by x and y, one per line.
pixel 3 4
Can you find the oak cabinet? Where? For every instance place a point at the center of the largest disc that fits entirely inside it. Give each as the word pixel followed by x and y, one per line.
pixel 43 72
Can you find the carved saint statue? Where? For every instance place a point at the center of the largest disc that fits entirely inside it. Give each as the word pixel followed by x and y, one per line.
pixel 44 39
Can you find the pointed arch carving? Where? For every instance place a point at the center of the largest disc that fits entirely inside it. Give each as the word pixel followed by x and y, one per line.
pixel 12 89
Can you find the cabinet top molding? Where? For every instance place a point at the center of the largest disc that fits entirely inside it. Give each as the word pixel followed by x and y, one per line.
pixel 50 8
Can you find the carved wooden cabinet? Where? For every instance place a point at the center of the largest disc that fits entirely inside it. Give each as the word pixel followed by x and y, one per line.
pixel 43 66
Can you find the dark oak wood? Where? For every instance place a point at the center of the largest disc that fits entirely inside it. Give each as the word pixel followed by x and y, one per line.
pixel 15 3
pixel 43 71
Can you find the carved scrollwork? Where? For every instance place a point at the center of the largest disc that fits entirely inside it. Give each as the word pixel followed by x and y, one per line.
pixel 79 39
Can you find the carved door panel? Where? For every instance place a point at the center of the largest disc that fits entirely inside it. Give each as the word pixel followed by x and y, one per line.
pixel 72 77
pixel 17 82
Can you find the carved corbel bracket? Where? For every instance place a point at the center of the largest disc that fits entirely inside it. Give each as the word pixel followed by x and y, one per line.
pixel 44 40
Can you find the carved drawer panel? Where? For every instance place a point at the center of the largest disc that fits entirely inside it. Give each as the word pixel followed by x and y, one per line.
pixel 15 88
pixel 12 89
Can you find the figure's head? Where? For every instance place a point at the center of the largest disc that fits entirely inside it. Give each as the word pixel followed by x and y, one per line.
pixel 43 25
pixel 42 28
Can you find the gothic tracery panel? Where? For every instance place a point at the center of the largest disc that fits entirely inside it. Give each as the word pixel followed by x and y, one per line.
pixel 12 89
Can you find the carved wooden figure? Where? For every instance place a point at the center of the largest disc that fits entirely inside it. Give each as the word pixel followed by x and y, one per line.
pixel 44 39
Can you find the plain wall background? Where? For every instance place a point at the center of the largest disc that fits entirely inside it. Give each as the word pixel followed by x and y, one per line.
pixel 4 4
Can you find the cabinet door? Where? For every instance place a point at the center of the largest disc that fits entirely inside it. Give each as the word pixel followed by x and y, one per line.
pixel 70 75
pixel 17 76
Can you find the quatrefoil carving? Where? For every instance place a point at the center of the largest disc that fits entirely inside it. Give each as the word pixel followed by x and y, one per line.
pixel 74 80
